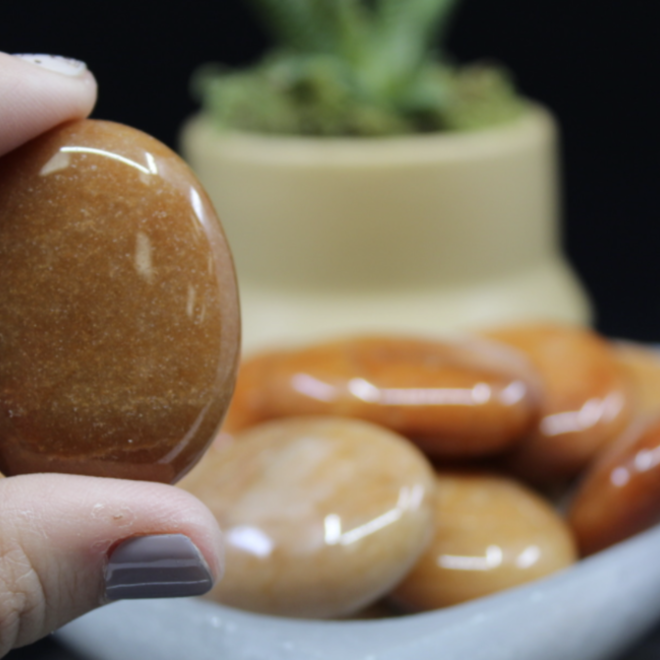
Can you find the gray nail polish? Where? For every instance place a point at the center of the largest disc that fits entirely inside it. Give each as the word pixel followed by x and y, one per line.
pixel 159 566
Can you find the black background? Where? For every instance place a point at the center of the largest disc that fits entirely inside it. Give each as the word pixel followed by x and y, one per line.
pixel 593 63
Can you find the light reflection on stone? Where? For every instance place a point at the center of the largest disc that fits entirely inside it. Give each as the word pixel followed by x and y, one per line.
pixel 346 505
pixel 313 388
pixel 491 534
pixel 251 539
pixel 491 560
pixel 420 396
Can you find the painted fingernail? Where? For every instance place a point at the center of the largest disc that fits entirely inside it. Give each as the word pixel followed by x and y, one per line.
pixel 56 63
pixel 159 566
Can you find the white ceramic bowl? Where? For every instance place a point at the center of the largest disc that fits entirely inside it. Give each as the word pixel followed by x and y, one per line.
pixel 592 611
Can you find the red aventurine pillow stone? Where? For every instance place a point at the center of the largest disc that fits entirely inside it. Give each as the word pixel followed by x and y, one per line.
pixel 119 321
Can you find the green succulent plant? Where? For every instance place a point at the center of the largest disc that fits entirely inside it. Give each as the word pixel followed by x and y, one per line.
pixel 356 68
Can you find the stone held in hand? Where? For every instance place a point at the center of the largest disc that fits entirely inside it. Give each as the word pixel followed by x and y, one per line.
pixel 119 322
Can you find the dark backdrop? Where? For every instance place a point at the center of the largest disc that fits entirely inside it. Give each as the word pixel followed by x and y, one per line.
pixel 593 63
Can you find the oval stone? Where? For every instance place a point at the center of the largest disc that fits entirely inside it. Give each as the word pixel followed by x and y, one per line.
pixel 321 515
pixel 119 321
pixel 491 533
pixel 586 399
pixel 453 398
pixel 619 495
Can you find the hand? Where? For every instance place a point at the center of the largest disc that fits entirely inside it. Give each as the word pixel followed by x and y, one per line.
pixel 70 543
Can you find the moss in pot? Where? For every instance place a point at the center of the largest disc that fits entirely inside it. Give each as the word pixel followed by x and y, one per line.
pixel 368 183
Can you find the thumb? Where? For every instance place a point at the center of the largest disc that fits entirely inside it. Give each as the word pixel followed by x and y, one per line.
pixel 70 543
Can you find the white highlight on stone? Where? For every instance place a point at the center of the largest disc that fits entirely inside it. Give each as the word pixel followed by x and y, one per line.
pixel 197 205
pixel 143 256
pixel 591 413
pixel 620 477
pixel 528 557
pixel 251 539
pixel 513 393
pixel 372 526
pixel 332 528
pixel 59 161
pixel 151 163
pixel 313 388
pixel 107 154
pixel 190 302
pixel 646 459
pixel 492 559
pixel 423 396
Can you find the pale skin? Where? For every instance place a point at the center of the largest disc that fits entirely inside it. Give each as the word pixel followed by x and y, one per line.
pixel 56 530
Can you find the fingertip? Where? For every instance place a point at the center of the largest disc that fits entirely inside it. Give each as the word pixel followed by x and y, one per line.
pixel 205 533
pixel 38 92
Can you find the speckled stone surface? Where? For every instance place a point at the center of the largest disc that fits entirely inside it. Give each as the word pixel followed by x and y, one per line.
pixel 119 324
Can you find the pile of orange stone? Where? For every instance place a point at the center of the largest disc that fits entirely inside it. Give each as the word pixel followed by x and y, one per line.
pixel 421 472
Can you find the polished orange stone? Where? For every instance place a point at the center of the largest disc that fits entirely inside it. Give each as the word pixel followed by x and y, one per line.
pixel 454 399
pixel 619 494
pixel 642 366
pixel 586 399
pixel 119 323
pixel 321 515
pixel 491 533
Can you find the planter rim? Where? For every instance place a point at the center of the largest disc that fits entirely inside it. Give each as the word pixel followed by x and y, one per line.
pixel 535 124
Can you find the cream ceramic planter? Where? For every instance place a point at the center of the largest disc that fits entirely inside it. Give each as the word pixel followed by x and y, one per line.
pixel 416 234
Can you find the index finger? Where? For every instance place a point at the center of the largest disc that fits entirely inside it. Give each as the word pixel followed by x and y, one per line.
pixel 38 92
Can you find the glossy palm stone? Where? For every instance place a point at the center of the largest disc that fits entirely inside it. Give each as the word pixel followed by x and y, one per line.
pixel 490 533
pixel 619 495
pixel 586 399
pixel 454 399
pixel 119 323
pixel 322 515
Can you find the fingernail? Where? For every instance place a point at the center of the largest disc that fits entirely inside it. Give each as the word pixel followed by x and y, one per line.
pixel 159 566
pixel 56 63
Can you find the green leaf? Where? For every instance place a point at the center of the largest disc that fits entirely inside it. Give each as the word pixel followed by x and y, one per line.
pixel 296 24
pixel 354 27
pixel 407 29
